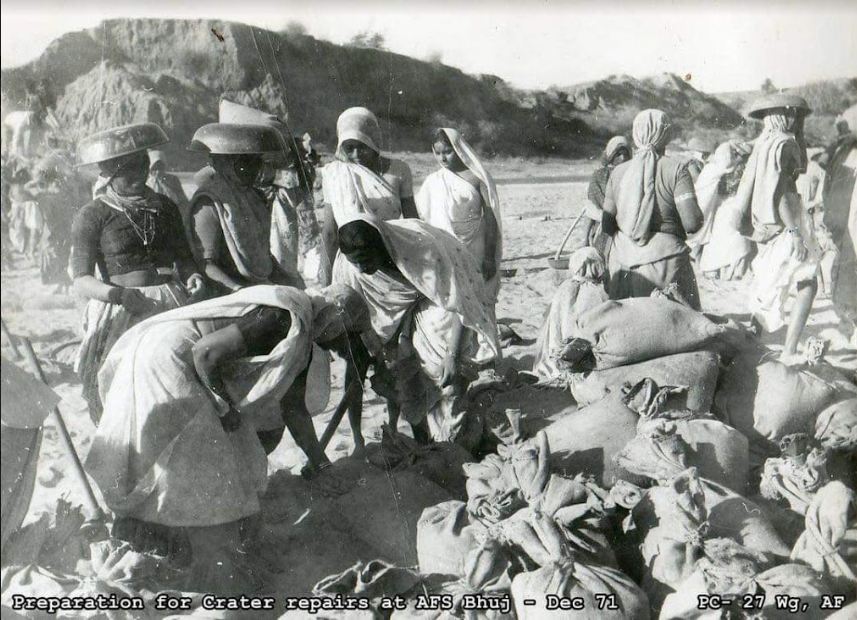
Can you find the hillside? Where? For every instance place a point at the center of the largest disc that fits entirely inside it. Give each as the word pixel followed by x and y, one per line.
pixel 613 102
pixel 174 72
pixel 827 98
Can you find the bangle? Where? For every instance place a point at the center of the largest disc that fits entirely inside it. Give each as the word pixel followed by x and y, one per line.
pixel 793 230
pixel 114 295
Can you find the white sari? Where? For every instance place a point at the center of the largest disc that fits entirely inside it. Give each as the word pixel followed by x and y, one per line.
pixel 412 315
pixel 449 202
pixel 160 453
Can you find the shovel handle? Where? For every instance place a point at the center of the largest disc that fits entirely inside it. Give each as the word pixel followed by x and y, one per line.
pixel 65 437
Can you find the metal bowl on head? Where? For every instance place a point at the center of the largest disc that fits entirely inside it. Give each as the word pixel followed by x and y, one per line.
pixel 119 141
pixel 237 139
pixel 777 101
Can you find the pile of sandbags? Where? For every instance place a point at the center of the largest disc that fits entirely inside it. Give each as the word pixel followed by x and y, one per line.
pixel 767 400
pixel 527 531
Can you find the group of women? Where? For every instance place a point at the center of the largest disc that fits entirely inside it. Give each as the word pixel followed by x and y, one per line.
pixel 199 351
pixel 652 214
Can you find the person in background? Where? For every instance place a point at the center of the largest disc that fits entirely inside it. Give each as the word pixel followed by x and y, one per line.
pixel 294 227
pixel 727 253
pixel 787 259
pixel 840 219
pixel 127 247
pixel 810 186
pixel 461 198
pixel 164 183
pixel 617 151
pixel 700 150
pixel 649 209
pixel 710 193
pixel 230 217
pixel 361 180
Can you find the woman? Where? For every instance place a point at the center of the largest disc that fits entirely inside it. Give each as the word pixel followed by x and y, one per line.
pixel 710 193
pixel 582 291
pixel 294 227
pixel 361 180
pixel 787 259
pixel 195 398
pixel 231 219
pixel 650 207
pixel 840 219
pixel 461 198
pixel 617 151
pixel 131 234
pixel 431 316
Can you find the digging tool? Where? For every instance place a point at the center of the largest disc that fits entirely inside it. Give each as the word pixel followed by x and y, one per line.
pixel 89 495
pixel 12 341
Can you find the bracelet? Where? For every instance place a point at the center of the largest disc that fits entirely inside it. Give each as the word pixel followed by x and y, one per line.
pixel 794 230
pixel 324 466
pixel 114 295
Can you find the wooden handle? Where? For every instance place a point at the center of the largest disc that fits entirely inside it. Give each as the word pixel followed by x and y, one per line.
pixel 567 235
pixel 65 437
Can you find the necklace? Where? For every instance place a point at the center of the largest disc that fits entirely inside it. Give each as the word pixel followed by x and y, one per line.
pixel 146 232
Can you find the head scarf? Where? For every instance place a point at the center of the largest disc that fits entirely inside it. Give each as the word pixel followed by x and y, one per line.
pixel 757 190
pixel 156 156
pixel 358 124
pixel 635 203
pixel 336 309
pixel 470 159
pixel 586 264
pixel 614 145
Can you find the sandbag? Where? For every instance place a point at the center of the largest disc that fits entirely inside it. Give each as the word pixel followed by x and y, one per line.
pixel 836 426
pixel 572 579
pixel 385 511
pixel 829 543
pixel 633 330
pixel 767 400
pixel 734 572
pixel 665 446
pixel 669 520
pixel 697 371
pixel 541 540
pixel 445 536
pixel 794 478
pixel 671 523
pixel 587 440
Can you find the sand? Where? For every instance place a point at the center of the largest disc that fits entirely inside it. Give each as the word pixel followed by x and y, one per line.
pixel 535 219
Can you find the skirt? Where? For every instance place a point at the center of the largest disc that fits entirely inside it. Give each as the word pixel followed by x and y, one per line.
pixel 643 280
pixel 103 324
pixel 776 274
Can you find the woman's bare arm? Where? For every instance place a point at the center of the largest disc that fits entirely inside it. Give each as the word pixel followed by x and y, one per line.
pixel 330 241
pixel 209 354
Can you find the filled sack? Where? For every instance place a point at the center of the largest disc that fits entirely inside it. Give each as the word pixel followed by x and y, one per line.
pixel 697 371
pixel 445 537
pixel 829 543
pixel 738 574
pixel 767 400
pixel 542 540
pixel 836 426
pixel 718 451
pixel 625 332
pixel 587 440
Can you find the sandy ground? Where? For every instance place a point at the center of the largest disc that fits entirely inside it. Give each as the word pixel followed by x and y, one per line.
pixel 535 219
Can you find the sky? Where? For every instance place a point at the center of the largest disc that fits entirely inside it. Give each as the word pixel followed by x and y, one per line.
pixel 722 46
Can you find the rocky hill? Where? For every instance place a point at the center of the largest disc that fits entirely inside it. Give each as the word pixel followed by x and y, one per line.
pixel 613 102
pixel 174 72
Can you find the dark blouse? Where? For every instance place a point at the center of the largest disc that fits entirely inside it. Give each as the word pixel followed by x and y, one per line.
pixel 105 236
